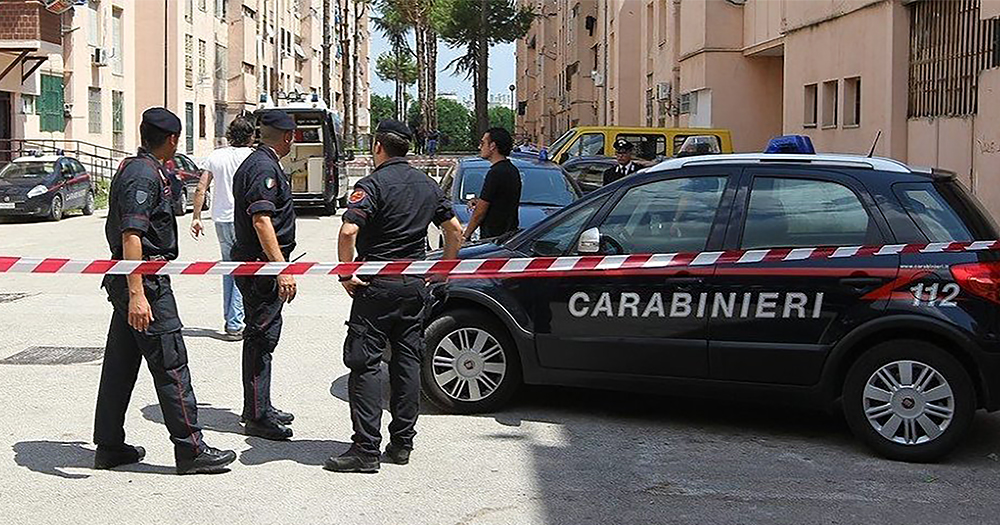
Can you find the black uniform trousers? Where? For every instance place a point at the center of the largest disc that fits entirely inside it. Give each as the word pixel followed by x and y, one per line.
pixel 262 313
pixel 166 358
pixel 389 311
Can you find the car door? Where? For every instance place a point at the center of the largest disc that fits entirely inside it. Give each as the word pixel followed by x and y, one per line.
pixel 81 183
pixel 65 176
pixel 775 320
pixel 636 322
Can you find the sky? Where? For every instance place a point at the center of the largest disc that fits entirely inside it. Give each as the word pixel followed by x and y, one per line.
pixel 502 70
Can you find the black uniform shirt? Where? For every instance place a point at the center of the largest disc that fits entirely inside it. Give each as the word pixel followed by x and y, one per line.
pixel 502 189
pixel 619 171
pixel 140 199
pixel 261 186
pixel 392 207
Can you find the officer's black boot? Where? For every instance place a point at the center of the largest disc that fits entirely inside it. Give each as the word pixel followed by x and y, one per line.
pixel 111 457
pixel 397 454
pixel 267 428
pixel 208 461
pixel 285 418
pixel 354 460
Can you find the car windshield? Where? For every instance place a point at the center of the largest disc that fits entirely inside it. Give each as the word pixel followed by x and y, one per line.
pixel 27 170
pixel 539 186
pixel 561 141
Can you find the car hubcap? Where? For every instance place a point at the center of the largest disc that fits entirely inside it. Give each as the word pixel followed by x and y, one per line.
pixel 908 402
pixel 469 364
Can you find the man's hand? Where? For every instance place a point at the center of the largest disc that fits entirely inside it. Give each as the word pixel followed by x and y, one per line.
pixel 286 288
pixel 353 284
pixel 140 315
pixel 197 230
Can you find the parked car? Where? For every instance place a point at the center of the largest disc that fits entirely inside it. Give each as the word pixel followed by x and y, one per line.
pixel 588 172
pixel 904 340
pixel 650 143
pixel 187 175
pixel 45 186
pixel 545 188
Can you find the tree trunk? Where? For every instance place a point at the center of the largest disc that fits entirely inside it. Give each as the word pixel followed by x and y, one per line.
pixel 345 70
pixel 421 77
pixel 399 86
pixel 360 7
pixel 482 72
pixel 326 51
pixel 431 43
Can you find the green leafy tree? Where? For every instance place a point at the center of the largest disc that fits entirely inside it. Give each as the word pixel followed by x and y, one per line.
pixel 502 117
pixel 400 69
pixel 453 124
pixel 393 24
pixel 382 107
pixel 477 25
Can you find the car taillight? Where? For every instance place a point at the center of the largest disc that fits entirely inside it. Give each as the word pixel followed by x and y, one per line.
pixel 981 278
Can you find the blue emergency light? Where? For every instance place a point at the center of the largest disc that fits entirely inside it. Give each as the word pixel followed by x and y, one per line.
pixel 791 144
pixel 543 155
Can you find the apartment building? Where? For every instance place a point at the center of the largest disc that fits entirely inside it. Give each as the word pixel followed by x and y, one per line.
pixel 923 73
pixel 206 60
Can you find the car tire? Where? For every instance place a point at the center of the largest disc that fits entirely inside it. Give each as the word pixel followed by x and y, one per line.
pixel 474 381
pixel 88 207
pixel 180 205
pixel 909 400
pixel 330 208
pixel 56 208
pixel 342 202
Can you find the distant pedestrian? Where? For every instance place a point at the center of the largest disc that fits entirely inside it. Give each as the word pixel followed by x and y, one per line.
pixel 220 168
pixel 496 209
pixel 432 141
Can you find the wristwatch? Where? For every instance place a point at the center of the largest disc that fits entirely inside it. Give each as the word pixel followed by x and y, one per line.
pixel 345 278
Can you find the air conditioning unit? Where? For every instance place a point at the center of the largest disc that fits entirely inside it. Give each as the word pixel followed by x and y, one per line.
pixel 67 110
pixel 100 57
pixel 663 91
pixel 598 78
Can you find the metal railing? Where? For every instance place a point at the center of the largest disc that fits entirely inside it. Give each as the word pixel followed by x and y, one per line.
pixel 436 166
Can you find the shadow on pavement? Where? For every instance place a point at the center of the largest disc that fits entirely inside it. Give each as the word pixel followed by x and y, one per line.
pixel 309 452
pixel 209 334
pixel 54 457
pixel 209 418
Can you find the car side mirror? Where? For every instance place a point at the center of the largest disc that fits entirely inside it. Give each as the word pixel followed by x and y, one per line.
pixel 590 241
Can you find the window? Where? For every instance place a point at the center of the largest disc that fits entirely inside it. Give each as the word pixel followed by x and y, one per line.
pixel 933 214
pixel 649 105
pixel 673 215
pixel 94 110
pixel 28 104
pixel 794 213
pixel 587 145
pixel 221 72
pixel 189 11
pixel 852 101
pixel 202 122
pixel 220 123
pixel 188 61
pixel 650 27
pixel 189 126
pixel 560 238
pixel 647 146
pixel 830 103
pixel 220 9
pixel 118 120
pixel 117 51
pixel 203 5
pixel 202 61
pixel 94 23
pixel 809 108
pixel 51 105
pixel 663 22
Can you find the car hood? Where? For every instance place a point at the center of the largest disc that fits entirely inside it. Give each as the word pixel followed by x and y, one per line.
pixel 477 250
pixel 20 185
pixel 528 214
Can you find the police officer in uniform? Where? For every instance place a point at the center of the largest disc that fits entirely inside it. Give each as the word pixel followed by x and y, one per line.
pixel 625 167
pixel 386 220
pixel 144 322
pixel 264 223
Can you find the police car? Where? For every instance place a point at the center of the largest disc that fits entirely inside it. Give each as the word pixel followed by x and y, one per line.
pixel 826 280
pixel 45 186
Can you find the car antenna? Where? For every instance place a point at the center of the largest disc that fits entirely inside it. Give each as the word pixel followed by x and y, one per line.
pixel 875 143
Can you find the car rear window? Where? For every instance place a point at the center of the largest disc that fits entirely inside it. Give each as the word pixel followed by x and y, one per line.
pixel 27 170
pixel 541 186
pixel 944 211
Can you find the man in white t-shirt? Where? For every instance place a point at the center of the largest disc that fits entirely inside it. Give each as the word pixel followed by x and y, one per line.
pixel 220 167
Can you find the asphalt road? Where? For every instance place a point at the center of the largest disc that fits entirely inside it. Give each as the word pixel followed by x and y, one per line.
pixel 556 456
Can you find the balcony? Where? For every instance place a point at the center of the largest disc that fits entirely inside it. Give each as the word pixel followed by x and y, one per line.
pixel 28 25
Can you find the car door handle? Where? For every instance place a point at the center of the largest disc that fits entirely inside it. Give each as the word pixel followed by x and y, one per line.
pixel 685 279
pixel 859 283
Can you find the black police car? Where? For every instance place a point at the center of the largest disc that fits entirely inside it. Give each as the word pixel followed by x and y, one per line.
pixel 905 340
pixel 45 186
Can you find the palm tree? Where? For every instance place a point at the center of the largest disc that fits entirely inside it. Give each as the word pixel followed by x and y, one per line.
pixel 392 23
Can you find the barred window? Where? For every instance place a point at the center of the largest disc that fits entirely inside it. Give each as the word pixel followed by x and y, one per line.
pixel 202 61
pixel 94 110
pixel 188 61
pixel 949 47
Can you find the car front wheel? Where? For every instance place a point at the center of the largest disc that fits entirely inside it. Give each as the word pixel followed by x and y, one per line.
pixel 56 208
pixel 88 207
pixel 470 363
pixel 180 205
pixel 909 400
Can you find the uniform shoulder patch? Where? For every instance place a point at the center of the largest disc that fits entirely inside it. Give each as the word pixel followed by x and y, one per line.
pixel 141 196
pixel 269 182
pixel 357 196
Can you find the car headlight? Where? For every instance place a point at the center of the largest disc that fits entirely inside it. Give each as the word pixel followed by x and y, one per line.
pixel 37 190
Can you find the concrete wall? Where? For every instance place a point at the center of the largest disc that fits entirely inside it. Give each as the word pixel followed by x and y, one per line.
pixel 989 9
pixel 986 142
pixel 762 21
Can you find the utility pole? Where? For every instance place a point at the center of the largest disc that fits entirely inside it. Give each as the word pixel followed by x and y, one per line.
pixel 326 53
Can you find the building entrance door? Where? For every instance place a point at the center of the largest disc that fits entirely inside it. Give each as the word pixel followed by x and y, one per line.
pixel 6 126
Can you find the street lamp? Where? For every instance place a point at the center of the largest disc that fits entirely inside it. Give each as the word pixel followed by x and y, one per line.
pixel 512 88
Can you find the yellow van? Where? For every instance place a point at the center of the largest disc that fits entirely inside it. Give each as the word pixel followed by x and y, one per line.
pixel 650 143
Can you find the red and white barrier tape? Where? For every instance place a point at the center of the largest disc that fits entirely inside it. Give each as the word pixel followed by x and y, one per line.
pixel 517 267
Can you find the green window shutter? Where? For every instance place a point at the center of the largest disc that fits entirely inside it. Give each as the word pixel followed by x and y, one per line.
pixel 50 104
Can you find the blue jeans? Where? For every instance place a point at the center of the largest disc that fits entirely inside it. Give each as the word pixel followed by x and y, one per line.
pixel 232 300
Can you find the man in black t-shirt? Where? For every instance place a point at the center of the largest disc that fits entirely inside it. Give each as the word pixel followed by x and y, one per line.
pixel 497 206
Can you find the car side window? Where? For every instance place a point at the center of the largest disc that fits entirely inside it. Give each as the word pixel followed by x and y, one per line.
pixel 647 146
pixel 77 167
pixel 805 213
pixel 673 215
pixel 559 238
pixel 588 145
pixel 447 181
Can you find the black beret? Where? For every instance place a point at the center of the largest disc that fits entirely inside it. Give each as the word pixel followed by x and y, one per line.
pixel 277 119
pixel 396 127
pixel 623 145
pixel 163 119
